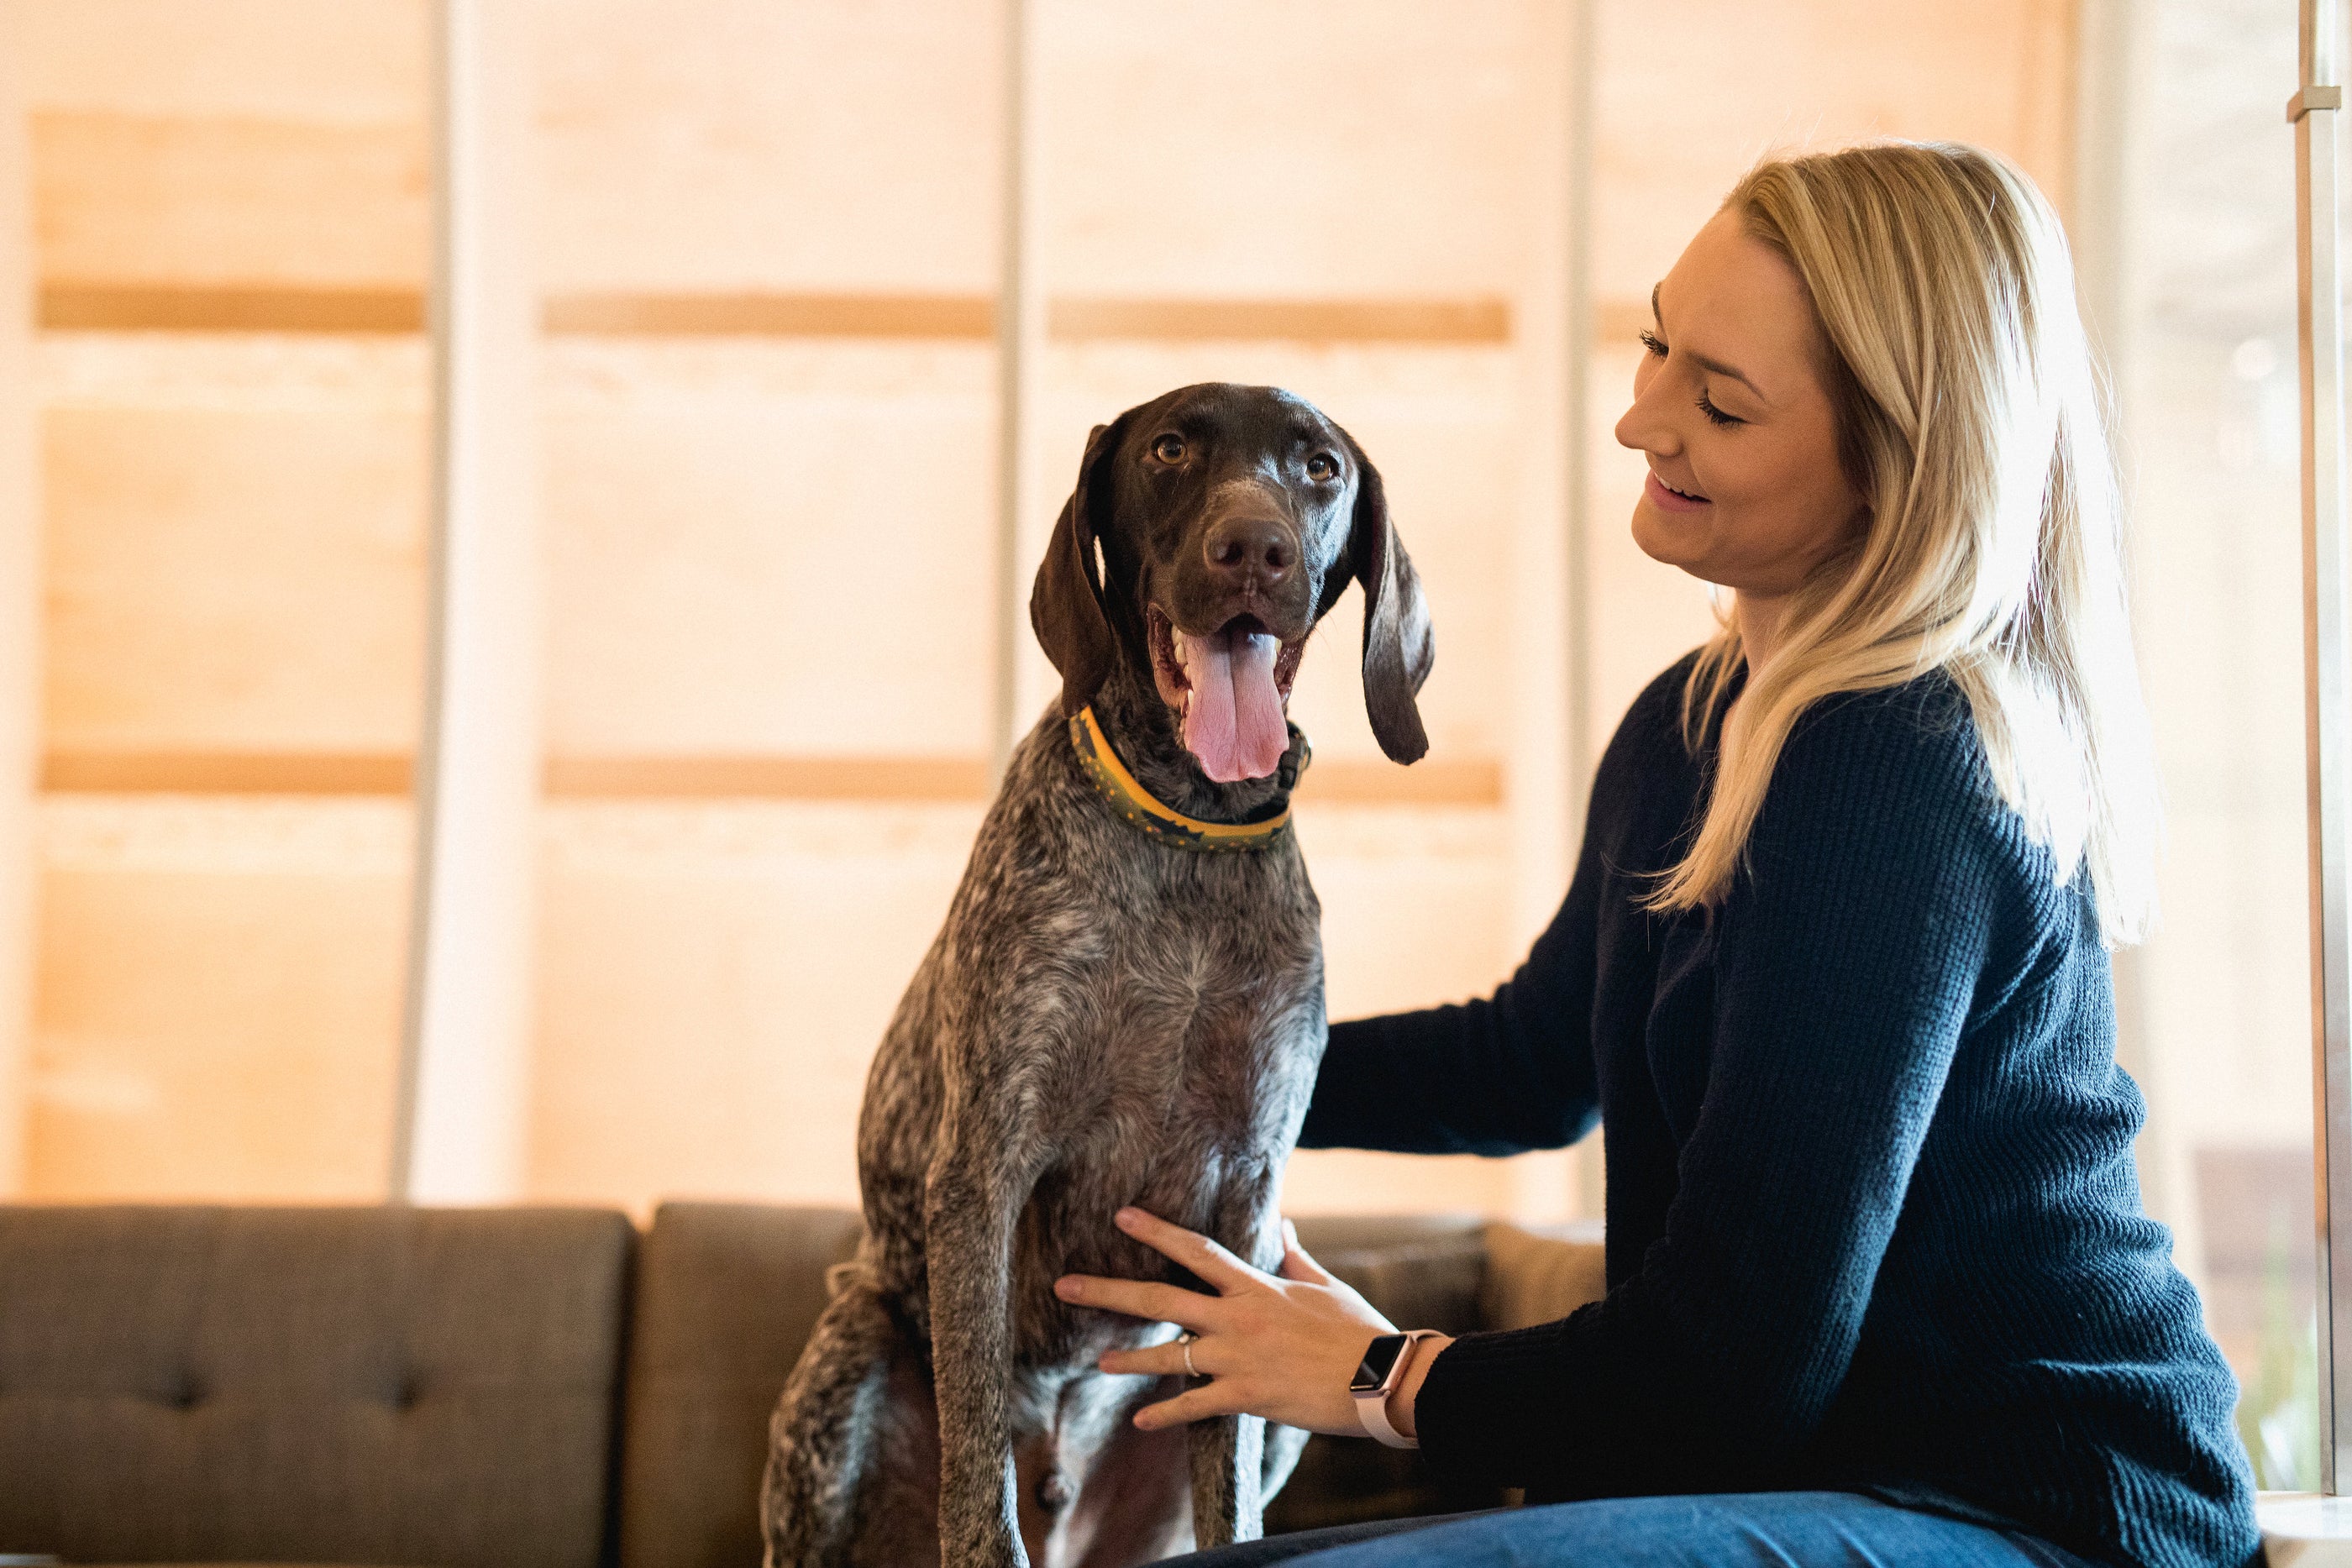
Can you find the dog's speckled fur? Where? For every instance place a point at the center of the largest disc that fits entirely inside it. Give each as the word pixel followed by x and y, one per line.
pixel 1105 1019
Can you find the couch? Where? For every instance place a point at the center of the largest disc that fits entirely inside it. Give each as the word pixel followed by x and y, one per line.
pixel 516 1387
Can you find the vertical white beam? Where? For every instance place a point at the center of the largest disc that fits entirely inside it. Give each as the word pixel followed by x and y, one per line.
pixel 1582 137
pixel 20 609
pixel 1546 763
pixel 2328 707
pixel 466 1048
pixel 1020 328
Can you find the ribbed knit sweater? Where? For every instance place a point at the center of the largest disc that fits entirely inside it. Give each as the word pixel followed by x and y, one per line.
pixel 1872 1223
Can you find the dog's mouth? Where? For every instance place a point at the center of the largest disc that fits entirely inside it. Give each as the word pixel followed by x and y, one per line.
pixel 1231 689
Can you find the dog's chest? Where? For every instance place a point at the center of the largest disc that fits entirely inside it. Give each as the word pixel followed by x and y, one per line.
pixel 1209 991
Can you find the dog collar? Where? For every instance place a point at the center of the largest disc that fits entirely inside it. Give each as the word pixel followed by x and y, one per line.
pixel 1136 806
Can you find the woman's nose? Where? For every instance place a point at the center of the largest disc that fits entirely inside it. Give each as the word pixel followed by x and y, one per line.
pixel 1643 427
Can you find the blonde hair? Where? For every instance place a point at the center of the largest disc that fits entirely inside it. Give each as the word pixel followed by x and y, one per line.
pixel 1969 420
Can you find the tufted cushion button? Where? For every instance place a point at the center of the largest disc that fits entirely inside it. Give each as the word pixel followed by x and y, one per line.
pixel 403 1391
pixel 185 1392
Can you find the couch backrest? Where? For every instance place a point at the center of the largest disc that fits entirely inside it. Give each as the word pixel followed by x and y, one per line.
pixel 377 1385
pixel 727 1296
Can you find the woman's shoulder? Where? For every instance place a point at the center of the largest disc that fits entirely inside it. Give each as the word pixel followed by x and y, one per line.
pixel 1903 768
pixel 1656 717
pixel 1919 733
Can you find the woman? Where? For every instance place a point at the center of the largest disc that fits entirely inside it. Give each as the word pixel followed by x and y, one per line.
pixel 1833 972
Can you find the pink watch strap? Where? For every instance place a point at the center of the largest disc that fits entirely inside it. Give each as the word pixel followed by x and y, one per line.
pixel 1373 1408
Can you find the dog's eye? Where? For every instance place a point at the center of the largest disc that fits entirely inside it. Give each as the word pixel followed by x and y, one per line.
pixel 1169 449
pixel 1322 465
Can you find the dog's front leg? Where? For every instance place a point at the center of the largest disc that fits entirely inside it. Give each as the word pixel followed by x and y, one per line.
pixel 969 1206
pixel 1228 1451
pixel 1229 1459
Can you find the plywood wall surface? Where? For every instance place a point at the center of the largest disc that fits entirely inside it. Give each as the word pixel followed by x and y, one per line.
pixel 772 547
pixel 1319 149
pixel 1691 92
pixel 739 144
pixel 235 550
pixel 217 998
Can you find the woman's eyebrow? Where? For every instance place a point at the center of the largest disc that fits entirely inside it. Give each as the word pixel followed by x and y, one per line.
pixel 1716 366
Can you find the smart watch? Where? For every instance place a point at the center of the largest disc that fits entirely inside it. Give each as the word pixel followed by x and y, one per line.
pixel 1385 1362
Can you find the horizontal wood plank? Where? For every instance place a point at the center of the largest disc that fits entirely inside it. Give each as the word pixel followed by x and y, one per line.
pixel 121 308
pixel 772 315
pixel 1079 319
pixel 1471 781
pixel 223 773
pixel 1432 781
pixel 768 777
pixel 80 305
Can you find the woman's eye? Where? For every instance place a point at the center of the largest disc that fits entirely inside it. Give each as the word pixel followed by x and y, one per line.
pixel 1169 449
pixel 1322 466
pixel 1716 416
pixel 1653 342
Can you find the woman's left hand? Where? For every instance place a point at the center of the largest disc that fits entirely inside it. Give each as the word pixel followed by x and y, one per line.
pixel 1282 1346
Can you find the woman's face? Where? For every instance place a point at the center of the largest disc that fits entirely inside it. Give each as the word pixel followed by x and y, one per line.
pixel 1731 409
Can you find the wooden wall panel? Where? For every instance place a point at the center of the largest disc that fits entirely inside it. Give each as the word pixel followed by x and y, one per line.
pixel 1692 92
pixel 713 981
pixel 349 62
pixel 235 548
pixel 733 145
pixel 1324 150
pixel 238 141
pixel 1417 910
pixel 768 548
pixel 218 992
pixel 136 199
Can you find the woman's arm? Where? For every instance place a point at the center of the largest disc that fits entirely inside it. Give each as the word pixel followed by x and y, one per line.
pixel 1847 959
pixel 1494 1077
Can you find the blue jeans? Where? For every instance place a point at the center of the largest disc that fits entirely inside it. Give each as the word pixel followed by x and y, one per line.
pixel 1755 1529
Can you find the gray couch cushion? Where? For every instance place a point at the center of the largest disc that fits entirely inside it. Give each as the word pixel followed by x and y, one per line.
pixel 385 1385
pixel 727 1294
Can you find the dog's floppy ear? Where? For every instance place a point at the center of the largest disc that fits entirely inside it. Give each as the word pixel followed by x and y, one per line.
pixel 1065 607
pixel 1398 646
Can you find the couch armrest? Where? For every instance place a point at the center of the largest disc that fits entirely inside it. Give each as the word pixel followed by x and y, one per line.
pixel 1539 1276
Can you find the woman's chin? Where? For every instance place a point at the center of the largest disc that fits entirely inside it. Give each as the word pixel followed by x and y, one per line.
pixel 1669 541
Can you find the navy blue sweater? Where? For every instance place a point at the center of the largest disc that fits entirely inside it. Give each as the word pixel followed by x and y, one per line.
pixel 1873 1219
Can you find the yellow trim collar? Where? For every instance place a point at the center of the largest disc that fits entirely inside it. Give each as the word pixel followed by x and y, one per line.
pixel 1136 805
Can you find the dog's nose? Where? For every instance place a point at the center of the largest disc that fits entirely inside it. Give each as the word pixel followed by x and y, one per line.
pixel 1251 550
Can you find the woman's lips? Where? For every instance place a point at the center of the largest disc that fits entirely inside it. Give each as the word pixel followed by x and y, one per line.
pixel 1668 500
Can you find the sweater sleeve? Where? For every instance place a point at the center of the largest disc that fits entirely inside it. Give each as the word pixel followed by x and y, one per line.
pixel 1499 1076
pixel 1846 958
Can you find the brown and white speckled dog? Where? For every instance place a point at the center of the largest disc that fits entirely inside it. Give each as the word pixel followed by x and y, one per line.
pixel 1122 1009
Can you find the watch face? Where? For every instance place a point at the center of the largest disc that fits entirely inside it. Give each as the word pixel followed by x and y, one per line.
pixel 1380 1359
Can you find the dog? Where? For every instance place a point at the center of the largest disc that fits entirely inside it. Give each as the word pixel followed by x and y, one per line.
pixel 1124 1007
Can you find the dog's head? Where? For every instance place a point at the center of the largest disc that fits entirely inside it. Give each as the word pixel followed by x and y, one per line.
pixel 1211 528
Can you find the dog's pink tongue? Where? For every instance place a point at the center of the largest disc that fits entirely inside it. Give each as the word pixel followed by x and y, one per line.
pixel 1234 727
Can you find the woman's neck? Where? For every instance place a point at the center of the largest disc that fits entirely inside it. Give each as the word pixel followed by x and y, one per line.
pixel 1758 619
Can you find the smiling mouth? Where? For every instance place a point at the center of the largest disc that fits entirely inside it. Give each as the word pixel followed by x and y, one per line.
pixel 1230 691
pixel 1686 495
